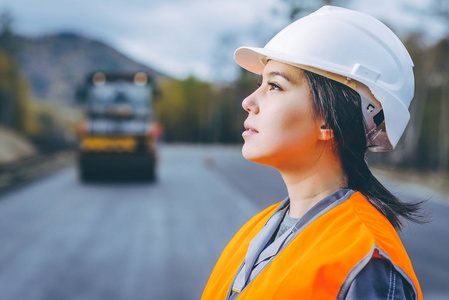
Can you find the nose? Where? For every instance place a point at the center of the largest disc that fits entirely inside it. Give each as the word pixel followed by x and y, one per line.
pixel 250 104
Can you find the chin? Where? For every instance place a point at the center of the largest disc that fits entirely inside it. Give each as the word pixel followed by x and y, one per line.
pixel 246 152
pixel 249 153
pixel 255 154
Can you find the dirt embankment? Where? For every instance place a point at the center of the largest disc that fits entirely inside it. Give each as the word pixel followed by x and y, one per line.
pixel 14 147
pixel 21 162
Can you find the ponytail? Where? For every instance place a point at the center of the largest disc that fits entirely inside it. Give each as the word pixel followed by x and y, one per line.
pixel 340 107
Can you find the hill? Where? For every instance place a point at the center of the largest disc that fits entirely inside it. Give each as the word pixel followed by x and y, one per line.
pixel 55 64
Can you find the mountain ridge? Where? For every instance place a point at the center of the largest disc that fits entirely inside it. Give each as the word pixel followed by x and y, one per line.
pixel 55 64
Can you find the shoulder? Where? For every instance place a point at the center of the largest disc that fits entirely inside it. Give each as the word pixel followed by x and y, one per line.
pixel 366 228
pixel 369 219
pixel 380 280
pixel 387 256
pixel 355 220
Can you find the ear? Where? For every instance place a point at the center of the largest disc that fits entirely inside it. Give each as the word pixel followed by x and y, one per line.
pixel 325 133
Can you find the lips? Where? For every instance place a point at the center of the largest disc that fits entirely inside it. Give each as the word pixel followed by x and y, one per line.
pixel 249 130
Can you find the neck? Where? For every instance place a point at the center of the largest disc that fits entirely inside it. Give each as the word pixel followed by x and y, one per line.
pixel 307 187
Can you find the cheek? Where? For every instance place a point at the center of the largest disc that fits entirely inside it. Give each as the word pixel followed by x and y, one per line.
pixel 297 121
pixel 299 131
pixel 296 132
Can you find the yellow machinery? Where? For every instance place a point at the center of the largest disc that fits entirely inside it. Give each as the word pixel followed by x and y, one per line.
pixel 118 134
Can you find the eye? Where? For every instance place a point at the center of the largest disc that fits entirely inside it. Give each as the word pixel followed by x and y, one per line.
pixel 259 83
pixel 274 86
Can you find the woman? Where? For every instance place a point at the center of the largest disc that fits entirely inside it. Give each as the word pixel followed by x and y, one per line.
pixel 335 85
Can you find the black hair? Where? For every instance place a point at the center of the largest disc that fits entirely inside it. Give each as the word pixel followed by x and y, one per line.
pixel 340 108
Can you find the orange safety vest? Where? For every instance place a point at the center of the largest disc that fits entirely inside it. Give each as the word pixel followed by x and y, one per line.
pixel 317 263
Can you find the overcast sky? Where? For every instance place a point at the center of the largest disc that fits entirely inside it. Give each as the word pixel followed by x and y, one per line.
pixel 178 37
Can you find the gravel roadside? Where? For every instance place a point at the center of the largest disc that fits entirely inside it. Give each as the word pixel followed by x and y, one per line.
pixel 33 168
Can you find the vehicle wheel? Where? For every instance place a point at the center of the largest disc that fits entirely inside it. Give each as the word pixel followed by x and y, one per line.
pixel 85 175
pixel 150 174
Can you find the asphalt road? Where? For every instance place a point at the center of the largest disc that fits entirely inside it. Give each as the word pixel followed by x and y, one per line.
pixel 62 239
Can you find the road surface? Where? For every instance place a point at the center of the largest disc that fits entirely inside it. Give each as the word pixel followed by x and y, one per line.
pixel 62 239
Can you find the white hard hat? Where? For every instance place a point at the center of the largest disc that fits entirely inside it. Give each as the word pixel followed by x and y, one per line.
pixel 354 49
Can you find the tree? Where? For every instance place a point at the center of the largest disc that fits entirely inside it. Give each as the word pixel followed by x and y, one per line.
pixel 13 87
pixel 186 110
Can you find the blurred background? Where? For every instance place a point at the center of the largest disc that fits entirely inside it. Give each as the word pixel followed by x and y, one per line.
pixel 49 47
pixel 93 93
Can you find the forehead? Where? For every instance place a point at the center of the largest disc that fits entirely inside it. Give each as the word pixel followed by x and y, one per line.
pixel 276 68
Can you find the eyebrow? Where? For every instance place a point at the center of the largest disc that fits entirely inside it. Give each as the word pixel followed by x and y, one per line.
pixel 277 73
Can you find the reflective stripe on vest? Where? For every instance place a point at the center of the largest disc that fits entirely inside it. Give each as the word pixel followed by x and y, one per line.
pixel 319 263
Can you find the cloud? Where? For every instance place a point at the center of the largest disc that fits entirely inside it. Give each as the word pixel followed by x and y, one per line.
pixel 175 36
pixel 182 38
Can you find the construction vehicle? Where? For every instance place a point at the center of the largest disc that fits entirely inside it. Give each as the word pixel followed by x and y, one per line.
pixel 118 134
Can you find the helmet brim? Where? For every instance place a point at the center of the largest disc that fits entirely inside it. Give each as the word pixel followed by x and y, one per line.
pixel 253 59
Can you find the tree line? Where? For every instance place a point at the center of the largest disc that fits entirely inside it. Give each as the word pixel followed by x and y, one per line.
pixel 195 111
